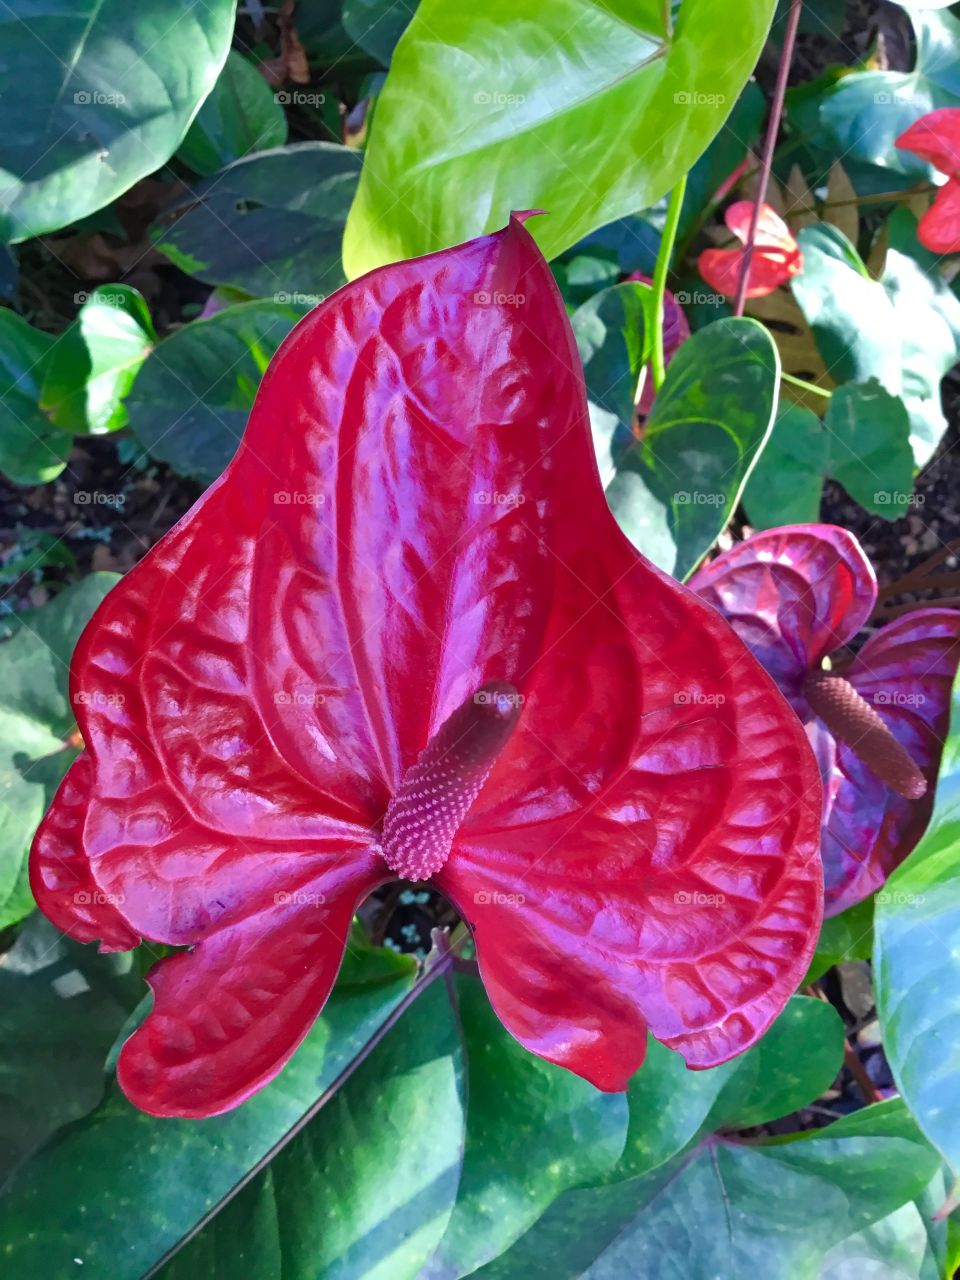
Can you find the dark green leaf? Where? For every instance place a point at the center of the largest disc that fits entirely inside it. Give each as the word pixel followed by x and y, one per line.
pixel 917 963
pixel 36 718
pixel 848 936
pixel 32 449
pixel 377 25
pixel 677 487
pixel 93 365
pixel 270 224
pixel 105 91
pixel 786 484
pixel 121 1188
pixel 870 454
pixel 521 96
pixel 241 115
pixel 191 399
pixel 533 1131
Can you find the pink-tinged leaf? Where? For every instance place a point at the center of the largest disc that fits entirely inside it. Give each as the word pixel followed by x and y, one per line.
pixel 793 595
pixel 939 228
pixel 414 519
pixel 935 138
pixel 905 672
pixel 776 255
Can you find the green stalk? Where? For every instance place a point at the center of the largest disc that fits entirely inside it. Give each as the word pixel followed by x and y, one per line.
pixel 664 254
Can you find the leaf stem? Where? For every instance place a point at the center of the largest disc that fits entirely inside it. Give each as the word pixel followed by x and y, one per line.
pixel 664 254
pixel 769 145
pixel 805 385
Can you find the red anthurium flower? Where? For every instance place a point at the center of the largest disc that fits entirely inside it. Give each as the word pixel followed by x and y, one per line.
pixel 676 330
pixel 935 138
pixel 402 636
pixel 776 255
pixel 877 724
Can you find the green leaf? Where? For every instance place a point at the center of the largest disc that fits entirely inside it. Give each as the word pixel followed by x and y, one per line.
pixel 105 91
pixel 32 449
pixel 910 1244
pixel 533 1131
pixel 192 397
pixel 902 329
pixel 377 25
pixel 725 1209
pixel 121 1188
pixel 518 117
pixel 61 1007
pixel 270 224
pixel 241 115
pixel 870 454
pixel 917 963
pixel 848 936
pixel 36 718
pixel 786 484
pixel 867 111
pixel 368 1186
pixel 93 364
pixel 676 488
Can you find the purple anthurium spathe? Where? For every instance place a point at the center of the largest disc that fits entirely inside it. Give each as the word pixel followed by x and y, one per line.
pixel 877 723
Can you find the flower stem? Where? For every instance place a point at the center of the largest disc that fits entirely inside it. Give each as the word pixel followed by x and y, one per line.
pixel 664 254
pixel 804 385
pixel 769 144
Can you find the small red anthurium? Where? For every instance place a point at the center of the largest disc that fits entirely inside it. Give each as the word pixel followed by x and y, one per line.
pixel 776 256
pixel 402 636
pixel 877 722
pixel 935 138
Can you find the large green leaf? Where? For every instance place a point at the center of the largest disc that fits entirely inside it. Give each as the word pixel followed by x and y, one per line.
pixel 675 489
pixel 192 397
pixel 32 449
pixel 93 364
pixel 104 92
pixel 241 115
pixel 869 439
pixel 61 1008
pixel 902 329
pixel 917 963
pixel 533 1130
pixel 270 224
pixel 723 1209
pixel 786 485
pixel 121 1189
pixel 866 112
pixel 36 718
pixel 518 114
pixel 367 1188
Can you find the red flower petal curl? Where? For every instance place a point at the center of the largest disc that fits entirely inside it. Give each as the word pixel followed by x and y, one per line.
pixel 776 255
pixel 414 515
pixel 935 138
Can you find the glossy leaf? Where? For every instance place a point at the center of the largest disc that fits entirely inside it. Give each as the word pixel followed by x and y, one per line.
pixel 93 365
pixel 845 937
pixel 867 111
pixel 520 100
pixel 105 91
pixel 376 25
pixel 190 401
pixel 270 224
pixel 366 1189
pixel 36 719
pixel 870 454
pixel 916 970
pixel 284 684
pixel 32 449
pixel 724 1209
pixel 61 1008
pixel 73 1199
pixel 677 488
pixel 787 483
pixel 533 1131
pixel 241 115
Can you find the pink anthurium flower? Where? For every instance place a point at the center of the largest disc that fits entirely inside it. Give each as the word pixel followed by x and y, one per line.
pixel 402 636
pixel 877 723
pixel 776 254
pixel 935 138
